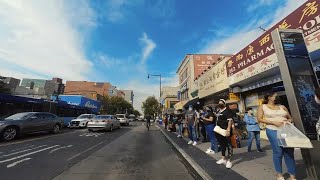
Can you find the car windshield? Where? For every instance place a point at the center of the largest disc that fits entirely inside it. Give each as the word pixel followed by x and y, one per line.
pixel 120 116
pixel 85 116
pixel 19 116
pixel 103 117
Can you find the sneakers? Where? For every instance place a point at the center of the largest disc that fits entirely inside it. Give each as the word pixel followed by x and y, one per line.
pixel 195 143
pixel 179 136
pixel 260 150
pixel 190 142
pixel 229 164
pixel 222 161
pixel 209 151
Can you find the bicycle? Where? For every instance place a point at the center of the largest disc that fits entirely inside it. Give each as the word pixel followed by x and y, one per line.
pixel 148 125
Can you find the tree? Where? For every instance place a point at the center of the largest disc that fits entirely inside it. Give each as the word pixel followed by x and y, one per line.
pixel 150 106
pixel 136 113
pixel 115 105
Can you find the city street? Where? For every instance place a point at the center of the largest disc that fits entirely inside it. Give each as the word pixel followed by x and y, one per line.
pixel 130 152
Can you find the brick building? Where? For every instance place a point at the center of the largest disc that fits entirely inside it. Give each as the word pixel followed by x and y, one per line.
pixel 92 90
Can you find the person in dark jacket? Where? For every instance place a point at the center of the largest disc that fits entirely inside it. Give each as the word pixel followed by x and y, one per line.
pixel 253 129
pixel 209 120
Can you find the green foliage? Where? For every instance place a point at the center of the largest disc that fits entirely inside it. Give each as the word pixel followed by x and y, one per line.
pixel 115 105
pixel 150 106
pixel 136 113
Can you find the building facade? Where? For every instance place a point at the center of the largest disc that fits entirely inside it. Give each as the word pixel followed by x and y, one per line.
pixel 42 86
pixel 128 96
pixel 190 69
pixel 169 99
pixel 92 90
pixel 11 83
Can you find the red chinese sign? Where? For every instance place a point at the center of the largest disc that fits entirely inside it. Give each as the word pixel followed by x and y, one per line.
pixel 203 61
pixel 306 17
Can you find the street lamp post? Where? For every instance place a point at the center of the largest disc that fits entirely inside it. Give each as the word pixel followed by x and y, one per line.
pixel 157 75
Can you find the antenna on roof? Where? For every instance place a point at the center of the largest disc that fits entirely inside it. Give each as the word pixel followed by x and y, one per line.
pixel 262 28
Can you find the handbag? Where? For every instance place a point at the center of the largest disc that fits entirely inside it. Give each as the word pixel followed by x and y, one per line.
pixel 220 131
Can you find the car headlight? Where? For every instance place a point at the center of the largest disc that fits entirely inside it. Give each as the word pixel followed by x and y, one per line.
pixel 1 124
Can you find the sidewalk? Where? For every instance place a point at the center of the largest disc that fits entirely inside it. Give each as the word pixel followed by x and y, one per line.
pixel 246 165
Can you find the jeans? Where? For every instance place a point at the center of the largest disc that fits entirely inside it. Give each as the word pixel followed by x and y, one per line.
pixel 252 135
pixel 180 129
pixel 211 135
pixel 192 132
pixel 280 152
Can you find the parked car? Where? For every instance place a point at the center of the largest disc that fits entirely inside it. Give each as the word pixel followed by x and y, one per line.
pixel 123 119
pixel 81 121
pixel 104 122
pixel 29 122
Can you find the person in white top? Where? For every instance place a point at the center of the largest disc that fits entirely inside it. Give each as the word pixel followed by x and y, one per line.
pixel 275 115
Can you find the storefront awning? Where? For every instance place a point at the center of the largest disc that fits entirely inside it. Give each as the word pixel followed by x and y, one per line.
pixel 179 105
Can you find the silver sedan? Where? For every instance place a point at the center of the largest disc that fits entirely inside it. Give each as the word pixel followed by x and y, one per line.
pixel 104 122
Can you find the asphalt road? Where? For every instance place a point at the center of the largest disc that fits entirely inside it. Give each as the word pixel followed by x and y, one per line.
pixel 128 153
pixel 139 154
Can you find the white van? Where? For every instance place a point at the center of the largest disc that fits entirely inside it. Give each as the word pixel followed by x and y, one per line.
pixel 123 119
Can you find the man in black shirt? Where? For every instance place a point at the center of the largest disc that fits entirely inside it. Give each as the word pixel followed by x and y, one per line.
pixel 225 118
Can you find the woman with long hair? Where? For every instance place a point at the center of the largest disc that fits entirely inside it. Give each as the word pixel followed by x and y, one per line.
pixel 275 115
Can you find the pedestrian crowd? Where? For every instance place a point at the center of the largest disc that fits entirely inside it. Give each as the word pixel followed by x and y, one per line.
pixel 222 128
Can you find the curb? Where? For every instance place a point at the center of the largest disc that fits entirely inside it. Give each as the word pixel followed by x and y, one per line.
pixel 197 169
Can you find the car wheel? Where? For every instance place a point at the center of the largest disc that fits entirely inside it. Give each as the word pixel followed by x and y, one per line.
pixel 9 133
pixel 56 129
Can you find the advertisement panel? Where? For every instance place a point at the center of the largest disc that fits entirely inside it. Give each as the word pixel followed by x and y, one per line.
pixel 214 80
pixel 203 61
pixel 306 18
pixel 81 101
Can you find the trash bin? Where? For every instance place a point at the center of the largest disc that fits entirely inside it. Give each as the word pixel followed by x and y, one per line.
pixel 160 121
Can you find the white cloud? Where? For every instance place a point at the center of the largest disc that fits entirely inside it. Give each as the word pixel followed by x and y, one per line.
pixel 233 43
pixel 107 61
pixel 41 38
pixel 114 10
pixel 149 46
pixel 259 3
pixel 142 88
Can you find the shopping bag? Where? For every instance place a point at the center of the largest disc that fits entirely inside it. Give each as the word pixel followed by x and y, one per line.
pixel 290 137
pixel 220 131
pixel 185 132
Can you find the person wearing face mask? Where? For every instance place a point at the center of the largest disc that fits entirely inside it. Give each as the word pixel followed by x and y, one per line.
pixel 253 129
pixel 209 120
pixel 202 124
pixel 225 120
pixel 275 115
pixel 191 118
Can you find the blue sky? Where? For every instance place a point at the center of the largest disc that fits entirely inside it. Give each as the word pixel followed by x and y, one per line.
pixel 121 41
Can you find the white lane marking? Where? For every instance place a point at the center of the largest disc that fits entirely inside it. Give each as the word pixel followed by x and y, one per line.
pixel 86 150
pixel 6 155
pixel 43 137
pixel 14 158
pixel 26 147
pixel 59 148
pixel 18 162
pixel 91 134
